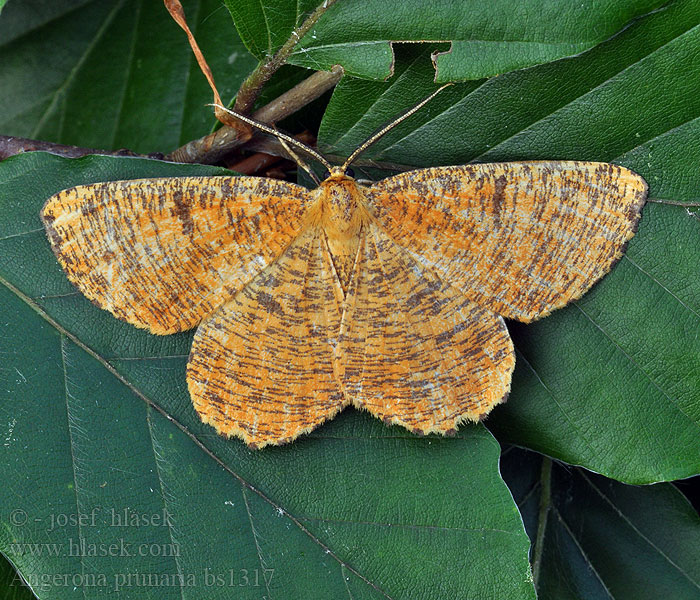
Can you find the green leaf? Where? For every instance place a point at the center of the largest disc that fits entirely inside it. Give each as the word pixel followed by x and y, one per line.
pixel 265 25
pixel 487 38
pixel 613 381
pixel 601 539
pixel 97 417
pixel 113 73
pixel 11 583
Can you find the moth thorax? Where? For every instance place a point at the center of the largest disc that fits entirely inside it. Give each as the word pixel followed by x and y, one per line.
pixel 343 209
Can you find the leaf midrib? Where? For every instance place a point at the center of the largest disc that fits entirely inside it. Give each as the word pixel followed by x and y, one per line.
pixel 638 367
pixel 584 556
pixel 176 555
pixel 47 23
pixel 151 404
pixel 76 68
pixel 64 368
pixel 634 528
pixel 495 146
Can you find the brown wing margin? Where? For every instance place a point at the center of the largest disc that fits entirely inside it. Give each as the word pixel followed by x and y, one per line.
pixel 413 350
pixel 163 253
pixel 521 239
pixel 261 367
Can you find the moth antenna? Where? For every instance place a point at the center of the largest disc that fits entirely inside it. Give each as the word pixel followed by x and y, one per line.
pixel 278 134
pixel 299 161
pixel 390 126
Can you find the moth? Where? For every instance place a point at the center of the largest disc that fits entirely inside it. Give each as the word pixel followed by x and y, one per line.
pixel 390 297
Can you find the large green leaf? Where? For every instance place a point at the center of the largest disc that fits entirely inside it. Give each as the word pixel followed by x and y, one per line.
pixel 393 511
pixel 487 38
pixel 11 584
pixel 97 416
pixel 603 540
pixel 613 381
pixel 113 73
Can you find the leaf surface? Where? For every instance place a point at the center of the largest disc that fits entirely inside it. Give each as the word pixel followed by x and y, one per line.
pixel 611 382
pixel 600 539
pixel 113 73
pixel 488 38
pixel 97 417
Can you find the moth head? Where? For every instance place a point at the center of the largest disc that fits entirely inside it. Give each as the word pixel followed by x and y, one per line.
pixel 338 173
pixel 342 205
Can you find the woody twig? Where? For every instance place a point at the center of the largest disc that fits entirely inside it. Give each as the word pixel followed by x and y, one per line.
pixel 206 150
pixel 11 145
pixel 213 147
pixel 251 87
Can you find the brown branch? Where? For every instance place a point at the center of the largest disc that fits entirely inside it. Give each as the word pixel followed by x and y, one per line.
pixel 11 145
pixel 272 146
pixel 258 162
pixel 211 148
pixel 255 163
pixel 251 87
pixel 207 150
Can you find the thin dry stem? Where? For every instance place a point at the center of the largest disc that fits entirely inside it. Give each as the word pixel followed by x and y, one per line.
pixel 11 145
pixel 211 148
pixel 178 14
pixel 251 87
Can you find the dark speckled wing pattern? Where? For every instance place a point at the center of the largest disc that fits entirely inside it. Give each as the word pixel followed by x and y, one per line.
pixel 521 239
pixel 163 253
pixel 261 367
pixel 413 350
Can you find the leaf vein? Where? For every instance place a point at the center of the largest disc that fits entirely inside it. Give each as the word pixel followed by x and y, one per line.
pixel 582 552
pixel 411 525
pixel 20 234
pixel 71 442
pixel 74 71
pixel 176 555
pixel 137 392
pixel 662 286
pixel 637 366
pixel 559 406
pixel 579 97
pixel 255 539
pixel 636 530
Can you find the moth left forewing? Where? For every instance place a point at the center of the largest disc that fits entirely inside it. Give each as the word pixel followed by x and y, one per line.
pixel 519 238
pixel 413 350
pixel 163 253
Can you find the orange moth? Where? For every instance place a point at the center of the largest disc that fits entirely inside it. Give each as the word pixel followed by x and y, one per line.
pixel 389 296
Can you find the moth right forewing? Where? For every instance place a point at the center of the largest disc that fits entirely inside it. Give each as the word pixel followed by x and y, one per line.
pixel 521 239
